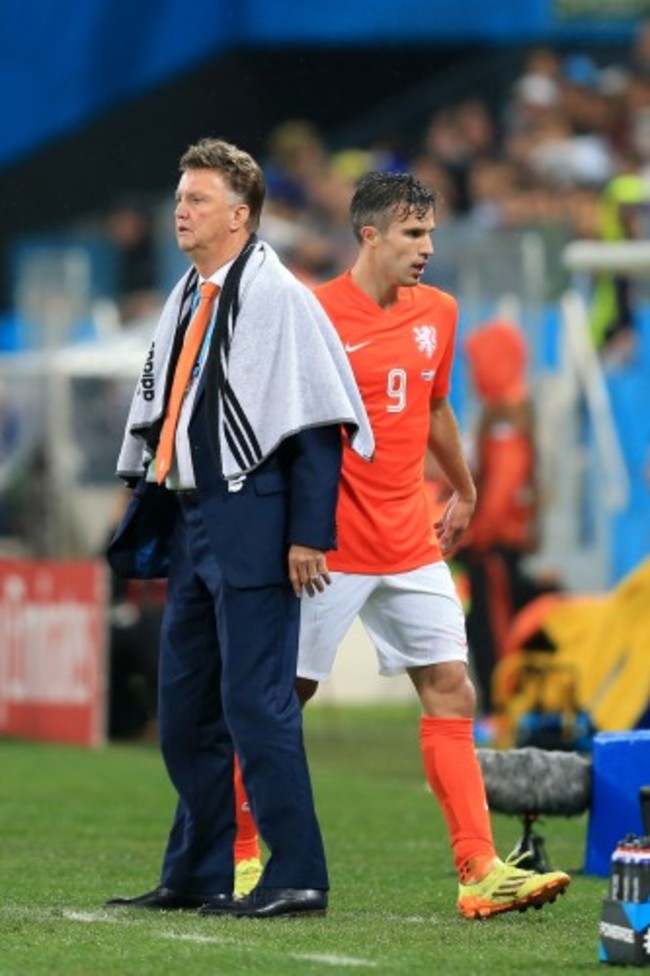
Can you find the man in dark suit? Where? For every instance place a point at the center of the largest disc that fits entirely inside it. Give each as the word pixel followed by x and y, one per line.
pixel 234 444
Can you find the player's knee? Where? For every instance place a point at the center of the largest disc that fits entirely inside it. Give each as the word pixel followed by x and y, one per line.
pixel 445 690
pixel 466 698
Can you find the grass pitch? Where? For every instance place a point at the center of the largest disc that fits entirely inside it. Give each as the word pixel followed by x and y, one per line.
pixel 79 826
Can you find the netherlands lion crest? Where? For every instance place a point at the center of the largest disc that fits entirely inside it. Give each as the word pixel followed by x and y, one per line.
pixel 426 338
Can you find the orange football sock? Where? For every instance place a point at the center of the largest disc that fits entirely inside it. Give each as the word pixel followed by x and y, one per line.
pixel 247 842
pixel 454 775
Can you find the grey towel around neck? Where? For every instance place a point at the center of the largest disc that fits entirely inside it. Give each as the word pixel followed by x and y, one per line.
pixel 286 367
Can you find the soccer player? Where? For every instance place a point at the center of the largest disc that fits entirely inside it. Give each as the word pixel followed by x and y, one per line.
pixel 389 566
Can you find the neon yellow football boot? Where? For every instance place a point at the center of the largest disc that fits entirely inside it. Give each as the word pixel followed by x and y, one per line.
pixel 247 874
pixel 508 888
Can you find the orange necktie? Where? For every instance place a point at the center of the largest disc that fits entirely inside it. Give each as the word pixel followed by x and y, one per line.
pixel 193 339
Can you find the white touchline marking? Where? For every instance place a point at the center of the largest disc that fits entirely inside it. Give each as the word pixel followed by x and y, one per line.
pixel 332 960
pixel 389 917
pixel 107 915
pixel 89 916
pixel 217 939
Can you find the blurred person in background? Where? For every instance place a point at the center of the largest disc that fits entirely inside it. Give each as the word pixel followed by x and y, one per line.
pixel 640 50
pixel 301 193
pixel 12 451
pixel 331 195
pixel 129 226
pixel 135 616
pixel 134 619
pixel 543 61
pixel 492 185
pixel 296 156
pixel 623 215
pixel 505 527
pixel 454 137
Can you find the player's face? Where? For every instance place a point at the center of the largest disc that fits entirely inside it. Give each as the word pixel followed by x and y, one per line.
pixel 207 215
pixel 404 248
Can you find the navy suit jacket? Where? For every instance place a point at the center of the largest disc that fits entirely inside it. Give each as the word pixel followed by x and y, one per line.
pixel 289 499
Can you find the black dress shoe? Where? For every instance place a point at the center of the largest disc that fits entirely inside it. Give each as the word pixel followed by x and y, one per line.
pixel 166 899
pixel 273 902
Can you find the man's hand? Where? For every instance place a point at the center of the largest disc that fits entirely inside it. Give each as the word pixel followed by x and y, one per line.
pixel 453 523
pixel 308 570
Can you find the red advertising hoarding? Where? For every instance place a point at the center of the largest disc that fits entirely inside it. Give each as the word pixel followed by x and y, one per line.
pixel 53 650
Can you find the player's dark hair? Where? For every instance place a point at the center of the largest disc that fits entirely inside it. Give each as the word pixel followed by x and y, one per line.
pixel 383 197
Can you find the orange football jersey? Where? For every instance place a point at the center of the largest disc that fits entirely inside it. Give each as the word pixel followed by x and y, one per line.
pixel 401 358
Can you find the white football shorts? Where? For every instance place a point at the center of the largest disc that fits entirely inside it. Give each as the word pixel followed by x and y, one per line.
pixel 413 619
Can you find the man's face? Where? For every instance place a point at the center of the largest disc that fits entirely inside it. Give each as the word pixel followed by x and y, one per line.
pixel 403 249
pixel 207 216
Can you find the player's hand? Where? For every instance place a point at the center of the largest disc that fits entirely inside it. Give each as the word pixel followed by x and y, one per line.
pixel 453 523
pixel 308 570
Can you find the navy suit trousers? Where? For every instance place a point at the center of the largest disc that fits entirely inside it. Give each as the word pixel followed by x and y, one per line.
pixel 227 674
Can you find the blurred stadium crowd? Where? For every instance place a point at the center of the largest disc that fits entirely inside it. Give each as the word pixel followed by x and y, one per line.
pixel 569 125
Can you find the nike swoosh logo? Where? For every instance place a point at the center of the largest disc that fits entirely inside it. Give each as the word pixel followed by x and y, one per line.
pixel 359 345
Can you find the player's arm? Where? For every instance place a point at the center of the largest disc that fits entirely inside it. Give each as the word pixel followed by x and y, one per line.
pixel 445 443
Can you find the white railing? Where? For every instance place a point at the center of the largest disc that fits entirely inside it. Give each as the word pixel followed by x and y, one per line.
pixel 587 258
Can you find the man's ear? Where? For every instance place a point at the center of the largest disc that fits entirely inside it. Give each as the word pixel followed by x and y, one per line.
pixel 240 216
pixel 369 235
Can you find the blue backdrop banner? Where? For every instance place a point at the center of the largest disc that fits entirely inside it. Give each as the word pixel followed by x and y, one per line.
pixel 63 61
